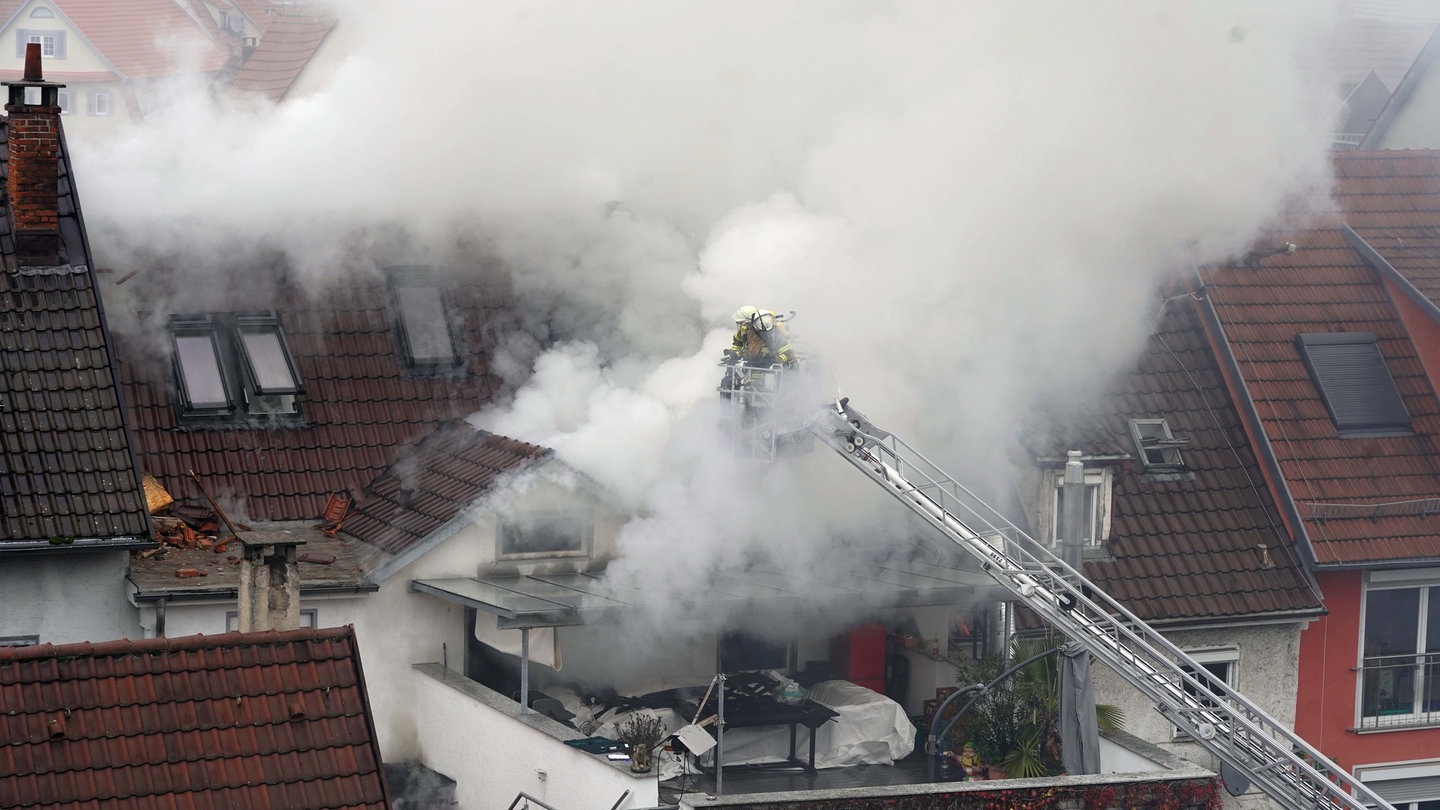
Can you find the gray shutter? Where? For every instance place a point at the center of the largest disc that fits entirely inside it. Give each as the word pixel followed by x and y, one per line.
pixel 21 37
pixel 1354 381
pixel 90 102
pixel 59 44
pixel 1398 791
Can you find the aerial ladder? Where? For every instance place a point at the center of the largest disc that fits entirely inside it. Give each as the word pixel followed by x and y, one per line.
pixel 1237 732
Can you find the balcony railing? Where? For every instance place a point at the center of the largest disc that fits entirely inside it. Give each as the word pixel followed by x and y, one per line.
pixel 1400 691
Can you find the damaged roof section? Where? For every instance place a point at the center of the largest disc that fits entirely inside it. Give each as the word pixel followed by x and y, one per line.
pixel 277 719
pixel 67 475
pixel 449 472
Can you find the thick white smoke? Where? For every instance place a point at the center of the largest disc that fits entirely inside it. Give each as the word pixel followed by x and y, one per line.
pixel 970 205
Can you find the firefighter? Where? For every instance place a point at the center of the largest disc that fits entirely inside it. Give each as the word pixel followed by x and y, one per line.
pixel 761 339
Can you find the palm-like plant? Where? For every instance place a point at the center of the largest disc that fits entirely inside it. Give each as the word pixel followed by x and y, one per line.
pixel 1015 724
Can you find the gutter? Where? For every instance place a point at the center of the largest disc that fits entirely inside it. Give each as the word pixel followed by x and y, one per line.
pixel 1245 403
pixel 229 593
pixel 40 547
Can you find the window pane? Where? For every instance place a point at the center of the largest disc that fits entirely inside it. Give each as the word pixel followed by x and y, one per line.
pixel 1392 621
pixel 268 361
pixel 200 370
pixel 427 333
pixel 544 534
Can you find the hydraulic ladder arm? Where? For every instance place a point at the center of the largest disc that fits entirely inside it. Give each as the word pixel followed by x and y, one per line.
pixel 1217 717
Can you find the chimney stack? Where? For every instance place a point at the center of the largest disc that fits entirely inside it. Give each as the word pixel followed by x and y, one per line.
pixel 269 581
pixel 33 152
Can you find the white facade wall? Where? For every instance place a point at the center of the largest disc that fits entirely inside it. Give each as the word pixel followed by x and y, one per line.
pixel 1266 674
pixel 67 597
pixel 493 754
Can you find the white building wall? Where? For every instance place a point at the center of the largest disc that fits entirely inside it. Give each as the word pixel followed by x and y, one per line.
pixel 67 597
pixel 492 754
pixel 1266 674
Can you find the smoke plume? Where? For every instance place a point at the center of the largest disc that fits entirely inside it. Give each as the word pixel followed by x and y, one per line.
pixel 969 205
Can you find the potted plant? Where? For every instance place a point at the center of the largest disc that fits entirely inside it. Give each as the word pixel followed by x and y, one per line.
pixel 1014 727
pixel 641 731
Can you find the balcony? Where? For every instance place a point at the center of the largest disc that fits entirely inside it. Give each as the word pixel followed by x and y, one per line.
pixel 1400 691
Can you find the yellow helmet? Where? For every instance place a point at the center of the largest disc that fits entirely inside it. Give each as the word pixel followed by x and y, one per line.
pixel 745 313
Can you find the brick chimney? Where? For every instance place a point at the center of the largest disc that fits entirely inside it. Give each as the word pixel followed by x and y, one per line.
pixel 269 581
pixel 33 149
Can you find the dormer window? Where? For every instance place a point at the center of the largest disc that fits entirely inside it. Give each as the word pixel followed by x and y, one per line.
pixel 1155 445
pixel 422 319
pixel 1096 513
pixel 231 366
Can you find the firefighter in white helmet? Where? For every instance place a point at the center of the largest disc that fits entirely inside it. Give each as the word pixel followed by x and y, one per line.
pixel 761 339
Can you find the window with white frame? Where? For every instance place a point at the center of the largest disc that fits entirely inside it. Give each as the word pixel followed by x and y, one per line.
pixel 1400 649
pixel 19 641
pixel 233 365
pixel 565 533
pixel 1156 446
pixel 1219 663
pixel 64 99
pixel 52 43
pixel 1412 785
pixel 1096 513
pixel 102 102
pixel 309 619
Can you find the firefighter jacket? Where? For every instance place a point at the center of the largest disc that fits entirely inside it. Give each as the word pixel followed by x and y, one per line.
pixel 758 348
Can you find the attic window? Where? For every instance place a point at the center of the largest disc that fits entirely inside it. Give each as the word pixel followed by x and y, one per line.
pixel 231 366
pixel 1355 383
pixel 1096 528
pixel 423 320
pixel 546 534
pixel 1156 445
pixel 42 13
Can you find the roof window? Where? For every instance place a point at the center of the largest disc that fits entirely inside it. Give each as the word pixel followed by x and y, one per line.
pixel 1355 383
pixel 1156 445
pixel 422 318
pixel 232 366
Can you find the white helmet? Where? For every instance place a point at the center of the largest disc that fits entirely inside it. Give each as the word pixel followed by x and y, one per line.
pixel 745 313
pixel 764 320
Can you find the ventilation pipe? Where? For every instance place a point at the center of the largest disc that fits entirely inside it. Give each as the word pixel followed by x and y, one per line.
pixel 1072 512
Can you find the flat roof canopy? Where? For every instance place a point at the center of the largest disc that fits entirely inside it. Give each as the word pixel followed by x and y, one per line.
pixel 551 600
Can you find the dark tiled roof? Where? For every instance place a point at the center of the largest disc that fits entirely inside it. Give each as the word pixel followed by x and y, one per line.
pixel 66 470
pixel 362 409
pixel 288 44
pixel 233 720
pixel 1326 286
pixel 448 472
pixel 1187 548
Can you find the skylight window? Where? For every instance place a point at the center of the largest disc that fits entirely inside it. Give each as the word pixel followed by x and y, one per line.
pixel 197 365
pixel 1156 445
pixel 1355 383
pixel 233 366
pixel 267 363
pixel 422 320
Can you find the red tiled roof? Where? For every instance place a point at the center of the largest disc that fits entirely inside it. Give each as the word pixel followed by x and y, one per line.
pixel 288 44
pixel 67 477
pixel 445 474
pixel 1186 547
pixel 1326 286
pixel 145 38
pixel 233 720
pixel 362 409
